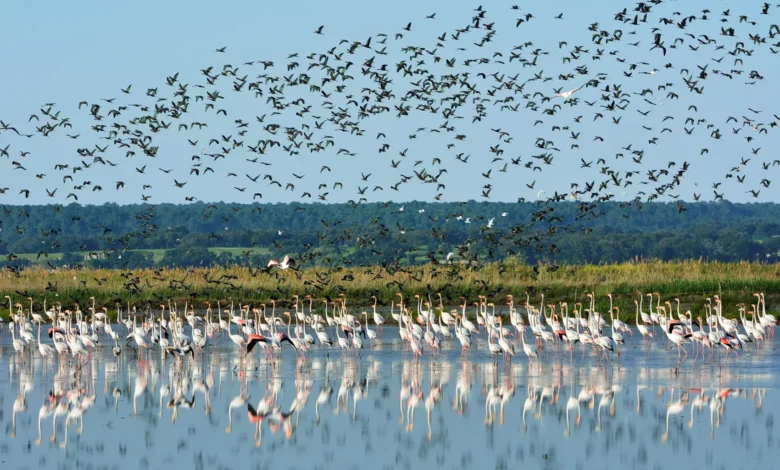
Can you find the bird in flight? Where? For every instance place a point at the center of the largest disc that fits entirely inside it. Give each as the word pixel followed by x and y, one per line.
pixel 285 264
pixel 566 95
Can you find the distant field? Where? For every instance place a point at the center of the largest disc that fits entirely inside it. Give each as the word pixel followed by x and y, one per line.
pixel 241 251
pixel 157 253
pixel 34 257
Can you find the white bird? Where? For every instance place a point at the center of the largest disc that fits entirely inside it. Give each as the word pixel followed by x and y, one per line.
pixel 490 222
pixel 343 343
pixel 371 334
pixel 286 263
pixel 324 337
pixel 45 349
pixel 505 345
pixel 566 95
pixel 357 343
pixel 529 350
pixel 17 343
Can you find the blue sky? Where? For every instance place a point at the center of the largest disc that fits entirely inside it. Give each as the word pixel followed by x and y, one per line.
pixel 88 50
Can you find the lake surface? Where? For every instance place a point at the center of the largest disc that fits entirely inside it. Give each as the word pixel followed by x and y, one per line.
pixel 383 409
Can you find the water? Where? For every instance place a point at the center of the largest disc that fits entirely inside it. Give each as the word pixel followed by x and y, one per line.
pixel 384 410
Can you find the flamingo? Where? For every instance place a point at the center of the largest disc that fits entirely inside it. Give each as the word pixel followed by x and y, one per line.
pixel 307 338
pixel 140 341
pixel 571 334
pixel 17 343
pixel 254 339
pixel 529 350
pixel 606 344
pixel 646 319
pixel 505 345
pixel 643 330
pixel 443 328
pixel 239 340
pixel 493 348
pixel 616 335
pixel 343 343
pixel 379 320
pixel 402 331
pixel 464 320
pixel 369 332
pixel 297 343
pixel 45 349
pixel 415 344
pixel 767 320
pixel 36 317
pixel 615 322
pixel 357 343
pixel 463 336
pixel 430 335
pixel 679 339
pixel 324 337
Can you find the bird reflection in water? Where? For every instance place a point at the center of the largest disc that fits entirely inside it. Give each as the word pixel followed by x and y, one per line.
pixel 579 402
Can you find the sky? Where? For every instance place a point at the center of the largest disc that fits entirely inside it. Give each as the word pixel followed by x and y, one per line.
pixel 90 50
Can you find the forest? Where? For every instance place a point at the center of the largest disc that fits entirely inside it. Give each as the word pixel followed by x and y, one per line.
pixel 199 234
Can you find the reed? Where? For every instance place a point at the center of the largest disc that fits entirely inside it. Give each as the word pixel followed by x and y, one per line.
pixel 691 281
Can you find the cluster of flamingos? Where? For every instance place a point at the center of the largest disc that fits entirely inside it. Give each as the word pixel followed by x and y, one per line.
pixel 427 327
pixel 552 323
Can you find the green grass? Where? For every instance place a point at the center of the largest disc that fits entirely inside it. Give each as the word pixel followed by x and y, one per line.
pixel 690 281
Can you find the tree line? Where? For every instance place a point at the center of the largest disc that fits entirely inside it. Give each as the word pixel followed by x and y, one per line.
pixel 368 234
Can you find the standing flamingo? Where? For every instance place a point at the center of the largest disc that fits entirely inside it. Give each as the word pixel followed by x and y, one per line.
pixel 678 338
pixel 505 345
pixel 45 349
pixel 529 350
pixel 643 330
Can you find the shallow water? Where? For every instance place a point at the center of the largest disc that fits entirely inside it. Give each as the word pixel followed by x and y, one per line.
pixel 384 410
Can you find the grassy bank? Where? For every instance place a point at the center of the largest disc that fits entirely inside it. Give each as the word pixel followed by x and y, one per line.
pixel 691 281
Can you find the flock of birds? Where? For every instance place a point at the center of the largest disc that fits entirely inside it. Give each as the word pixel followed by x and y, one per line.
pixel 151 389
pixel 336 103
pixel 424 327
pixel 324 104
